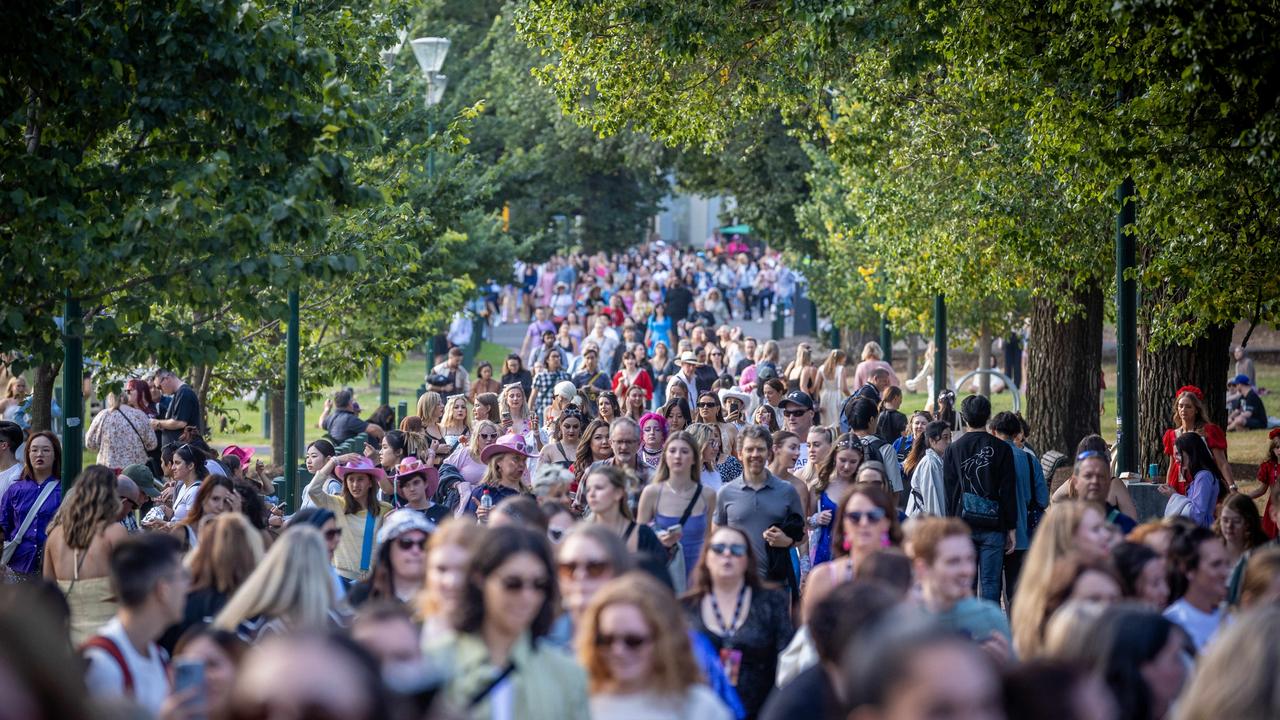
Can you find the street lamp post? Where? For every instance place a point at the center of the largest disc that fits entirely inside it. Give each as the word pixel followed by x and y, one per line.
pixel 430 53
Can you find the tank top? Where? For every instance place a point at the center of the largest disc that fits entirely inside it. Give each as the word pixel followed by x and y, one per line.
pixel 822 546
pixel 693 536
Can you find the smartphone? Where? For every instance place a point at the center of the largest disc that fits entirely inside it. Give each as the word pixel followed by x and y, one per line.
pixel 189 674
pixel 675 528
pixel 282 506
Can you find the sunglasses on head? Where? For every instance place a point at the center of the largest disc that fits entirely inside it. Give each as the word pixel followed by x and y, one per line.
pixel 632 642
pixel 408 543
pixel 874 515
pixel 591 569
pixel 734 549
pixel 515 584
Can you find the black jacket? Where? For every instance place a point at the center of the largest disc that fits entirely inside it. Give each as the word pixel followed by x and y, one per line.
pixel 981 463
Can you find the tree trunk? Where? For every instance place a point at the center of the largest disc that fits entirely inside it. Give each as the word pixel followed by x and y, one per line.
pixel 1064 362
pixel 275 400
pixel 984 359
pixel 913 350
pixel 200 377
pixel 1161 372
pixel 42 397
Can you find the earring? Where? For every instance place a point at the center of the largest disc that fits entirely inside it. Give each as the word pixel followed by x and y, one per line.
pixel 846 545
pixel 884 539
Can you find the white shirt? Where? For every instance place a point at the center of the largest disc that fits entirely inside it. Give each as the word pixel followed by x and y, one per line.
pixel 1200 625
pixel 9 477
pixel 104 678
pixel 698 703
pixel 184 498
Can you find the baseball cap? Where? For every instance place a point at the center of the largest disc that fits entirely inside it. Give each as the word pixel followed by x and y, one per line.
pixel 797 397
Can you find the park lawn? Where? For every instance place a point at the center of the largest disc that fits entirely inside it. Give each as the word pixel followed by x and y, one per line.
pixel 1246 447
pixel 405 379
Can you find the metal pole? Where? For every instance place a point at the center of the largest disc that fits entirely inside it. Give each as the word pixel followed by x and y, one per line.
pixel 292 420
pixel 429 347
pixel 886 339
pixel 72 392
pixel 939 345
pixel 1126 332
pixel 384 393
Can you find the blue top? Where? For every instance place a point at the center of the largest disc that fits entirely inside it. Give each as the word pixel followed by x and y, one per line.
pixel 822 546
pixel 1203 495
pixel 17 501
pixel 1030 479
pixel 660 329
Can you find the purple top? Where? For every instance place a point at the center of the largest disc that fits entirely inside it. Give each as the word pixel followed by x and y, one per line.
pixel 15 504
pixel 1203 495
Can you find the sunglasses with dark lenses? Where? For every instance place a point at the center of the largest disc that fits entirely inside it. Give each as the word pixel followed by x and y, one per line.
pixel 872 516
pixel 408 543
pixel 632 642
pixel 734 549
pixel 708 405
pixel 592 569
pixel 515 584
pixel 488 436
pixel 556 534
pixel 333 534
pixel 794 413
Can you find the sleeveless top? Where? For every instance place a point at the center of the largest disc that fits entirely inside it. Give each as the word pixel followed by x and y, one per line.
pixel 693 536
pixel 91 601
pixel 832 396
pixel 822 546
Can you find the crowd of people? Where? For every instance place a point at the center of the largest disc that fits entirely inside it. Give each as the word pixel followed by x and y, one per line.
pixel 654 520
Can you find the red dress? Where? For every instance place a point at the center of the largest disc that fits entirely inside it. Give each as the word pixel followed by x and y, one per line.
pixel 1213 437
pixel 1269 475
pixel 620 386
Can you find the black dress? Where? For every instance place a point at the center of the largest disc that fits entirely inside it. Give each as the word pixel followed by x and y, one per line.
pixel 763 635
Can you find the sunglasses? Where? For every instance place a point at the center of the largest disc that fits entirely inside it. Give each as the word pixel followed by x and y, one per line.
pixel 408 543
pixel 707 405
pixel 555 534
pixel 333 534
pixel 515 584
pixel 632 642
pixel 794 413
pixel 591 569
pixel 872 516
pixel 734 549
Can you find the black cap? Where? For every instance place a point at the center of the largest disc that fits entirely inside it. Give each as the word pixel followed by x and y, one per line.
pixel 797 397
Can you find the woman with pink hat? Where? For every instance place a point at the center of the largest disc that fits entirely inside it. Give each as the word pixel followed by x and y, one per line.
pixel 358 511
pixel 507 462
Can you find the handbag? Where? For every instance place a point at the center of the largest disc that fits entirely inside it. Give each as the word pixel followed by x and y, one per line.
pixel 979 512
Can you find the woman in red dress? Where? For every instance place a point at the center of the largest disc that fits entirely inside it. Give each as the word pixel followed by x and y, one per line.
pixel 1189 416
pixel 1268 477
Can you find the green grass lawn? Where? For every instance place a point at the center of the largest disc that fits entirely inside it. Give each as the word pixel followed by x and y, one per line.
pixel 405 379
pixel 1248 447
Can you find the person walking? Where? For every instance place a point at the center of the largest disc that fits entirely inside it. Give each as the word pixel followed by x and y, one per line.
pixel 978 474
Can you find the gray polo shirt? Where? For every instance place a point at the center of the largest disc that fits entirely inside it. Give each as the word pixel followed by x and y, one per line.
pixel 752 510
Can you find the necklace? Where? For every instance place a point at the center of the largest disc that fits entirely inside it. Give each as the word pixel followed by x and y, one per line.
pixel 732 627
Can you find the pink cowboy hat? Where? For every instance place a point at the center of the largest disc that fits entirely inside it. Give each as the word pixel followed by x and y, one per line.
pixel 509 443
pixel 413 466
pixel 243 453
pixel 361 465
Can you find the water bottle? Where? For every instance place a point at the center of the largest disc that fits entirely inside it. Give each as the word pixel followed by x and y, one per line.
pixel 486 502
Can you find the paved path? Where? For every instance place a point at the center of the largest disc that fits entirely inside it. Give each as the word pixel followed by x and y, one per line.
pixel 511 335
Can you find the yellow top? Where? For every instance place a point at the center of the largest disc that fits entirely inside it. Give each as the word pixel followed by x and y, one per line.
pixel 347 557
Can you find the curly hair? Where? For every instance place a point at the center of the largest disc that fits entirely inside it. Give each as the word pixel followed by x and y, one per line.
pixel 673 670
pixel 91 505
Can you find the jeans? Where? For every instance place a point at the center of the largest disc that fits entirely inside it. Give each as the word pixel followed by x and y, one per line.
pixel 990 547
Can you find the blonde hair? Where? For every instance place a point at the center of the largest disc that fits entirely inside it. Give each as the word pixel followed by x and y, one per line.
pixel 1249 643
pixel 872 351
pixel 480 427
pixel 1202 416
pixel 674 670
pixel 293 583
pixel 701 433
pixel 1054 539
pixel 1259 574
pixel 449 407
pixel 770 351
pixel 1068 626
pixel 834 359
pixel 427 405
pixel 663 473
pixel 505 408
pixel 230 550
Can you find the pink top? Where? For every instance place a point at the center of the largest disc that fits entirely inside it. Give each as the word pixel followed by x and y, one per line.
pixel 472 469
pixel 862 375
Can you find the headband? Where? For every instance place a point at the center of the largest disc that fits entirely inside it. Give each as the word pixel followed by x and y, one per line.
pixel 1275 433
pixel 1190 389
